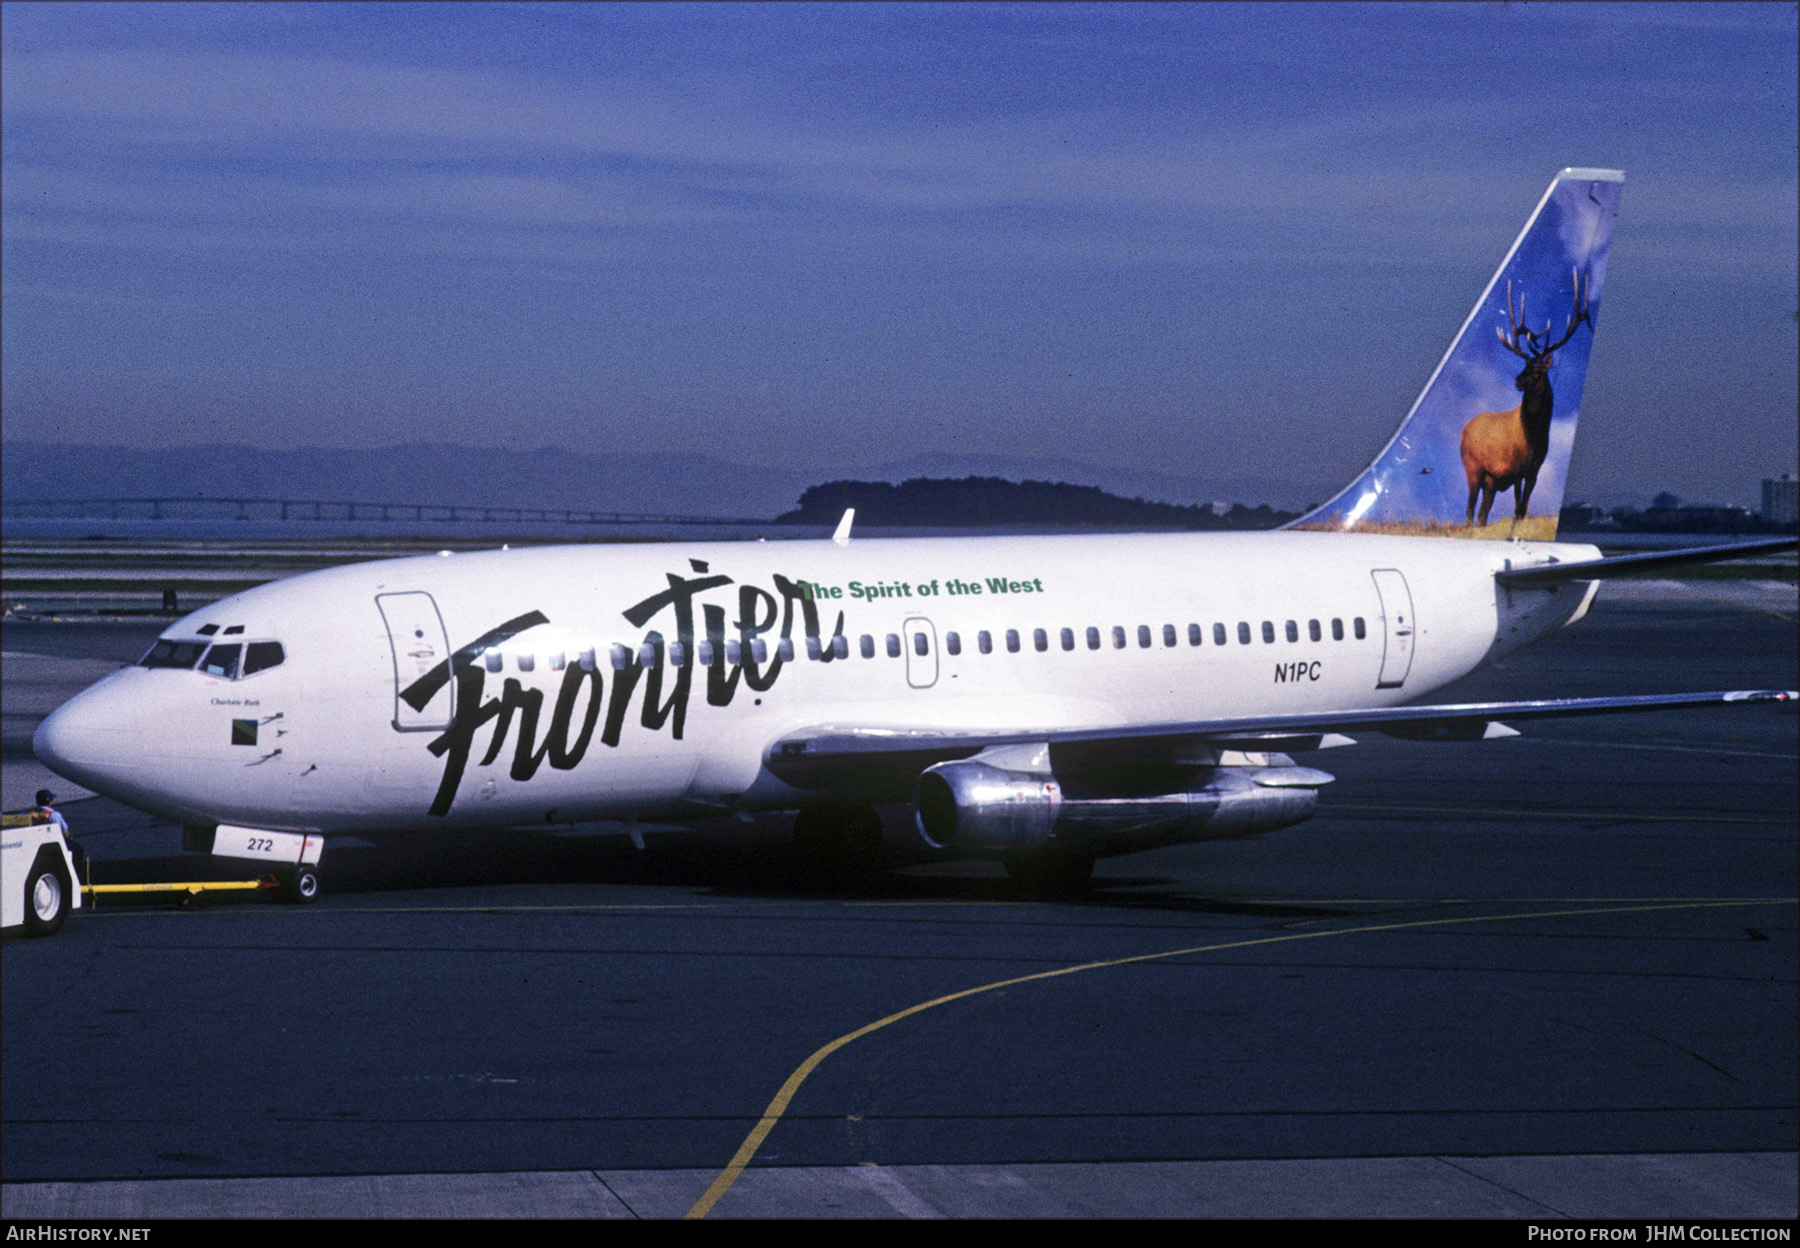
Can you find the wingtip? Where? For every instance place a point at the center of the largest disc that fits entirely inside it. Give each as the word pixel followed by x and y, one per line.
pixel 1591 175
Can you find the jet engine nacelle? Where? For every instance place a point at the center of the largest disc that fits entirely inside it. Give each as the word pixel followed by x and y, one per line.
pixel 983 805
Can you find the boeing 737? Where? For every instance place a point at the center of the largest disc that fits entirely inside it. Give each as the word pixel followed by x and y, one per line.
pixel 1043 701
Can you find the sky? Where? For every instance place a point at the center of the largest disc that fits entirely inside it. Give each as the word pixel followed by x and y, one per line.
pixel 1212 241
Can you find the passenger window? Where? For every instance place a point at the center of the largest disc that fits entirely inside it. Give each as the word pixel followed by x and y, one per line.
pixel 1194 634
pixel 1312 629
pixel 1093 638
pixel 525 661
pixel 815 649
pixel 867 646
pixel 1068 639
pixel 1268 632
pixel 893 645
pixel 1243 633
pixel 1012 641
pixel 1118 636
pixel 921 644
pixel 1168 634
pixel 678 654
pixel 785 648
pixel 1361 632
pixel 173 654
pixel 647 654
pixel 984 641
pixel 557 662
pixel 759 650
pixel 221 661
pixel 734 652
pixel 259 656
pixel 493 660
pixel 1040 639
pixel 1293 631
pixel 1143 636
pixel 703 653
pixel 953 643
pixel 840 645
pixel 1218 634
pixel 586 659
pixel 1337 630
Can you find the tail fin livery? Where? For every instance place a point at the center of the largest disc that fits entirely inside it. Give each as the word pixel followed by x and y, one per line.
pixel 1493 428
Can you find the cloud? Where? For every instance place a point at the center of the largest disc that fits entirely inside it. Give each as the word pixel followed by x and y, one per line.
pixel 237 105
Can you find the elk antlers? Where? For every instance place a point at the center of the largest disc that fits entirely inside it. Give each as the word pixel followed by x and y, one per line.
pixel 1535 344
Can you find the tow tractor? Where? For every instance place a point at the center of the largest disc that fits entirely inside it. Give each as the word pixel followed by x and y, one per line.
pixel 38 880
pixel 37 873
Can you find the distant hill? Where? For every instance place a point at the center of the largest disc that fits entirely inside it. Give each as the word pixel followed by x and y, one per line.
pixel 993 501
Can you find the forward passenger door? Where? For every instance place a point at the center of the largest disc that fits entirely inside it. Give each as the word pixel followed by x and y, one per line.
pixel 419 643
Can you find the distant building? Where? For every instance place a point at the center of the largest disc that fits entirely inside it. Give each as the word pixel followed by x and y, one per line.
pixel 1781 499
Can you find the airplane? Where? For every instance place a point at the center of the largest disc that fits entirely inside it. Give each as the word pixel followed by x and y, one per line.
pixel 1040 700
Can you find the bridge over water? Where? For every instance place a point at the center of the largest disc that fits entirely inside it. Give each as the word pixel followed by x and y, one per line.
pixel 172 507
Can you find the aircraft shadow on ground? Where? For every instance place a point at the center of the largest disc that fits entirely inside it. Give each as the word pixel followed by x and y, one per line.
pixel 767 870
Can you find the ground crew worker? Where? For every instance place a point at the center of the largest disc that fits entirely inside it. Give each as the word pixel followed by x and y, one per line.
pixel 43 807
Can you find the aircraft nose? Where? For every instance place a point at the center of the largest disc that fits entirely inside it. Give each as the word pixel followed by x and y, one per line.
pixel 93 738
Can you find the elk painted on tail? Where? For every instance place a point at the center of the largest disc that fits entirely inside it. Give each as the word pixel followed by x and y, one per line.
pixel 1502 449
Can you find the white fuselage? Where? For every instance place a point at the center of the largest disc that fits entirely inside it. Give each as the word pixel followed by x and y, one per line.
pixel 323 742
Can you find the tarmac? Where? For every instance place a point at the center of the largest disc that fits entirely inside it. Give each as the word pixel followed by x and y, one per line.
pixel 1541 978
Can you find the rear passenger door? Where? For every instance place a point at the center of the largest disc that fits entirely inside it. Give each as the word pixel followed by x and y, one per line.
pixel 419 643
pixel 1397 627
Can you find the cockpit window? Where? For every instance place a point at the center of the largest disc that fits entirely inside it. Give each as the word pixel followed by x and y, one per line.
pixel 172 654
pixel 221 661
pixel 261 655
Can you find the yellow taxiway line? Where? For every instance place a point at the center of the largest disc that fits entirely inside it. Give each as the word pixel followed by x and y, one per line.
pixel 779 1105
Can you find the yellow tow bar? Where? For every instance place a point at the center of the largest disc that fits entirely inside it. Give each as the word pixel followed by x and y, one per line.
pixel 191 889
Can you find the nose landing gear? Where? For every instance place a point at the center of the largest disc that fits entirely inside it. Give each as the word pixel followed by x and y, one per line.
pixel 300 886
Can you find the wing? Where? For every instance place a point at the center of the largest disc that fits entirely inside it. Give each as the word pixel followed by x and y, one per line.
pixel 1626 565
pixel 861 757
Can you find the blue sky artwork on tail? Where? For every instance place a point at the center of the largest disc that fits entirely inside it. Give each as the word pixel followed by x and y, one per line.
pixel 1485 450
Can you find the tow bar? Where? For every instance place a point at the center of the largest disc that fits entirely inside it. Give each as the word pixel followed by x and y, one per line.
pixel 193 889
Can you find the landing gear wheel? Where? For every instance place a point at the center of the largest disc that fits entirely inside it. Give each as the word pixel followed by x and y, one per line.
pixel 838 840
pixel 302 887
pixel 46 897
pixel 1057 875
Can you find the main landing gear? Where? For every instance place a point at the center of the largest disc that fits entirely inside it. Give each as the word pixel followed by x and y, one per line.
pixel 838 841
pixel 1056 874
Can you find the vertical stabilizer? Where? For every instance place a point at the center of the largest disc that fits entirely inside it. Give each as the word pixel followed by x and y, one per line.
pixel 1484 452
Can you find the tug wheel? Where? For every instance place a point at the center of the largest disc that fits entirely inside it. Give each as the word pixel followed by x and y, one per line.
pixel 46 896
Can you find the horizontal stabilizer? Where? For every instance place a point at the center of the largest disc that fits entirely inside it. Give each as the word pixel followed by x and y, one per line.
pixel 1626 565
pixel 828 757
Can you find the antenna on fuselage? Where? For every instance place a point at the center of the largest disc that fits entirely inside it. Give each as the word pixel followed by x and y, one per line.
pixel 842 536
